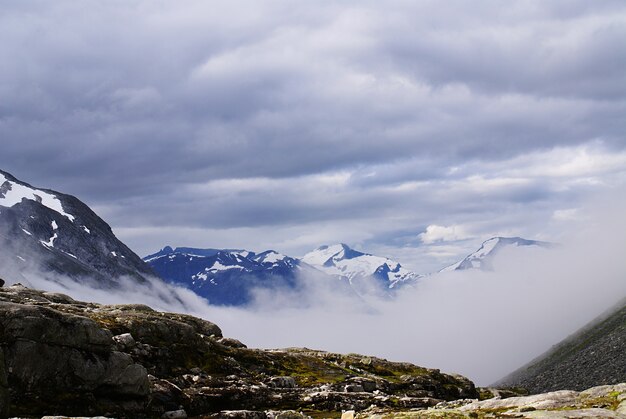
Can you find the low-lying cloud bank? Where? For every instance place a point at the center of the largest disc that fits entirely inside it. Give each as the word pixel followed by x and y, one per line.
pixel 480 324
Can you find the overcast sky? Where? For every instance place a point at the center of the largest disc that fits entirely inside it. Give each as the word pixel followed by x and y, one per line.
pixel 409 129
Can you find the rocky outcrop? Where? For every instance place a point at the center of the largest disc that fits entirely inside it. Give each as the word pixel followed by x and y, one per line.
pixel 65 357
pixel 59 362
pixel 596 402
pixel 593 356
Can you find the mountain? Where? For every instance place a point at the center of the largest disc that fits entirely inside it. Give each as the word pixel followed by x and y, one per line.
pixel 45 231
pixel 593 356
pixel 484 256
pixel 229 276
pixel 342 261
pixel 226 276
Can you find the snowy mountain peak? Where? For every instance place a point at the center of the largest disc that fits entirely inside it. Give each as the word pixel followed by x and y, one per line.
pixel 12 192
pixel 481 258
pixel 325 255
pixel 343 261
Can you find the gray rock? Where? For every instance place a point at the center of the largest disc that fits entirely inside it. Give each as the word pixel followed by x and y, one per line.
pixel 233 343
pixel 241 414
pixel 49 354
pixel 286 414
pixel 282 382
pixel 125 341
pixel 552 400
pixel 175 414
pixel 366 384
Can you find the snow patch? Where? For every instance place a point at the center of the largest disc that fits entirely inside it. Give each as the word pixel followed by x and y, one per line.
pixel 17 192
pixel 50 243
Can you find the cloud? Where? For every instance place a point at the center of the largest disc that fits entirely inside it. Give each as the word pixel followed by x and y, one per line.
pixel 271 118
pixel 435 233
pixel 481 324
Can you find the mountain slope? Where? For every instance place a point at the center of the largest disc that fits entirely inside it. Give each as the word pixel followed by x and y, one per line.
pixel 226 277
pixel 47 231
pixel 595 355
pixel 484 256
pixel 342 261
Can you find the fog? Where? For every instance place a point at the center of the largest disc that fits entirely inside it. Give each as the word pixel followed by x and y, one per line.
pixel 480 324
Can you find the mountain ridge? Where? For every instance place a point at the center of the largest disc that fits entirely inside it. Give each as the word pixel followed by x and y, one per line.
pixel 65 235
pixel 593 355
pixel 228 276
pixel 483 257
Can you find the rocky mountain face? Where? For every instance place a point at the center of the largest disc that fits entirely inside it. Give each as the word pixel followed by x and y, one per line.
pixel 484 256
pixel 46 231
pixel 594 355
pixel 228 276
pixel 65 357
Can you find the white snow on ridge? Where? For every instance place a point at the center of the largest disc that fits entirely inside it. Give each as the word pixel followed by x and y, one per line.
pixel 485 248
pixel 452 267
pixel 17 192
pixel 319 256
pixel 271 257
pixel 217 266
pixel 49 243
pixel 332 260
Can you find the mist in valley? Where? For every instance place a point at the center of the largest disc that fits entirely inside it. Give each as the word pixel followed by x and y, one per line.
pixel 482 324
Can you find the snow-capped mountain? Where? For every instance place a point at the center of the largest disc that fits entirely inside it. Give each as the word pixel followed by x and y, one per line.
pixel 342 261
pixel 229 276
pixel 46 231
pixel 483 257
pixel 225 276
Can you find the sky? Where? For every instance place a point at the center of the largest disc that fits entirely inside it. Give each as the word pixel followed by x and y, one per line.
pixel 408 129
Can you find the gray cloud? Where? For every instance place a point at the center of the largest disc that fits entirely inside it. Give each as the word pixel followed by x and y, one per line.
pixel 271 119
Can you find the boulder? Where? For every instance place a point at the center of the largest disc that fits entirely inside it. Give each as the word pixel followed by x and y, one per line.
pixel 57 360
pixel 282 382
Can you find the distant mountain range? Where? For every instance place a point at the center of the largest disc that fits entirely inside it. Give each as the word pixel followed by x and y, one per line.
pixel 229 276
pixel 225 276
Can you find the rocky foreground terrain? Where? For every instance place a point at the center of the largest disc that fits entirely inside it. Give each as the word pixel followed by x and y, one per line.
pixel 64 357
